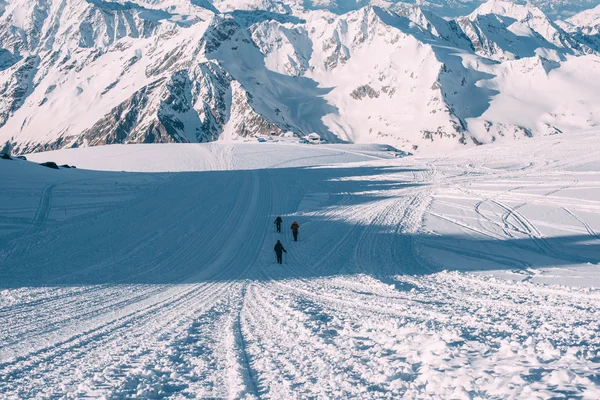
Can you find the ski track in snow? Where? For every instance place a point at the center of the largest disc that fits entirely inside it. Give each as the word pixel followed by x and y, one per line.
pixel 455 276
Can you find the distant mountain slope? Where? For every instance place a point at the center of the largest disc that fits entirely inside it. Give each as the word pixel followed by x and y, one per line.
pixel 585 26
pixel 588 21
pixel 81 73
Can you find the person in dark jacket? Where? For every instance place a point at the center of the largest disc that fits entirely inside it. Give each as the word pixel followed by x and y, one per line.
pixel 279 250
pixel 295 228
pixel 278 222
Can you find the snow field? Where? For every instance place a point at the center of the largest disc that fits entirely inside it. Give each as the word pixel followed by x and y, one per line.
pixel 448 335
pixel 465 275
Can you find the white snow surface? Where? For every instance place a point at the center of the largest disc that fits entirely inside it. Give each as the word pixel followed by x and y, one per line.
pixel 454 276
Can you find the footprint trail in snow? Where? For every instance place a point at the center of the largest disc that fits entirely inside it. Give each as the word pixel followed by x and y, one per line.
pixel 471 275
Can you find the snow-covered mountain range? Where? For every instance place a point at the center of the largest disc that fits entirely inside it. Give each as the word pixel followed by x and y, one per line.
pixel 89 72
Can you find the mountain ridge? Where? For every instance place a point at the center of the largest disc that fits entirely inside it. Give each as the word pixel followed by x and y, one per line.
pixel 98 72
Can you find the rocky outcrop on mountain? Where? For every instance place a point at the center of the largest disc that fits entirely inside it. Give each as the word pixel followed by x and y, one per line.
pixel 585 26
pixel 587 21
pixel 85 73
pixel 17 86
pixel 503 31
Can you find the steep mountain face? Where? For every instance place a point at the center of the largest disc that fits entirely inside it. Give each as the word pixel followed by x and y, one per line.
pixel 585 26
pixel 83 73
pixel 504 31
pixel 588 21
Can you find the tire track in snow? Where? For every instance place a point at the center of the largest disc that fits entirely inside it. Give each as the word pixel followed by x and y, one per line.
pixel 529 229
pixel 37 356
pixel 40 320
pixel 248 206
pixel 292 348
pixel 587 226
pixel 41 216
pixel 248 373
pixel 18 247
pixel 167 341
pixel 464 225
pixel 112 333
pixel 409 224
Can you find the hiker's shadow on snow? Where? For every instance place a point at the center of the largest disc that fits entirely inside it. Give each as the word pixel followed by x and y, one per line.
pixel 198 227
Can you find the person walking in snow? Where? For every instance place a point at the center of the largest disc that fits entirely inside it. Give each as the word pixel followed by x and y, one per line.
pixel 278 222
pixel 295 228
pixel 279 250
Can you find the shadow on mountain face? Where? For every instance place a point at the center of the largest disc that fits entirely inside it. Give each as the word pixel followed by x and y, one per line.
pixel 432 29
pixel 592 41
pixel 207 4
pixel 8 59
pixel 149 13
pixel 458 83
pixel 494 29
pixel 217 226
pixel 291 102
pixel 247 18
pixel 338 7
pixel 440 7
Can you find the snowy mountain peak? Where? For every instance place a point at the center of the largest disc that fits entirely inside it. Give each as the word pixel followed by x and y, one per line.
pixel 81 73
pixel 509 9
pixel 506 30
pixel 586 22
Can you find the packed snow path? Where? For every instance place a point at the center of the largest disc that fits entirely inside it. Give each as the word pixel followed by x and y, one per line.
pixel 463 276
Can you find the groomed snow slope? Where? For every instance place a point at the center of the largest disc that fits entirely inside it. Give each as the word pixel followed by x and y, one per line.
pixel 468 275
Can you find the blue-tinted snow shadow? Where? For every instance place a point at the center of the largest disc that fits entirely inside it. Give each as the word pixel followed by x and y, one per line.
pixel 148 14
pixel 494 28
pixel 246 18
pixel 291 101
pixel 592 41
pixel 207 4
pixel 459 85
pixel 193 231
pixel 8 59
